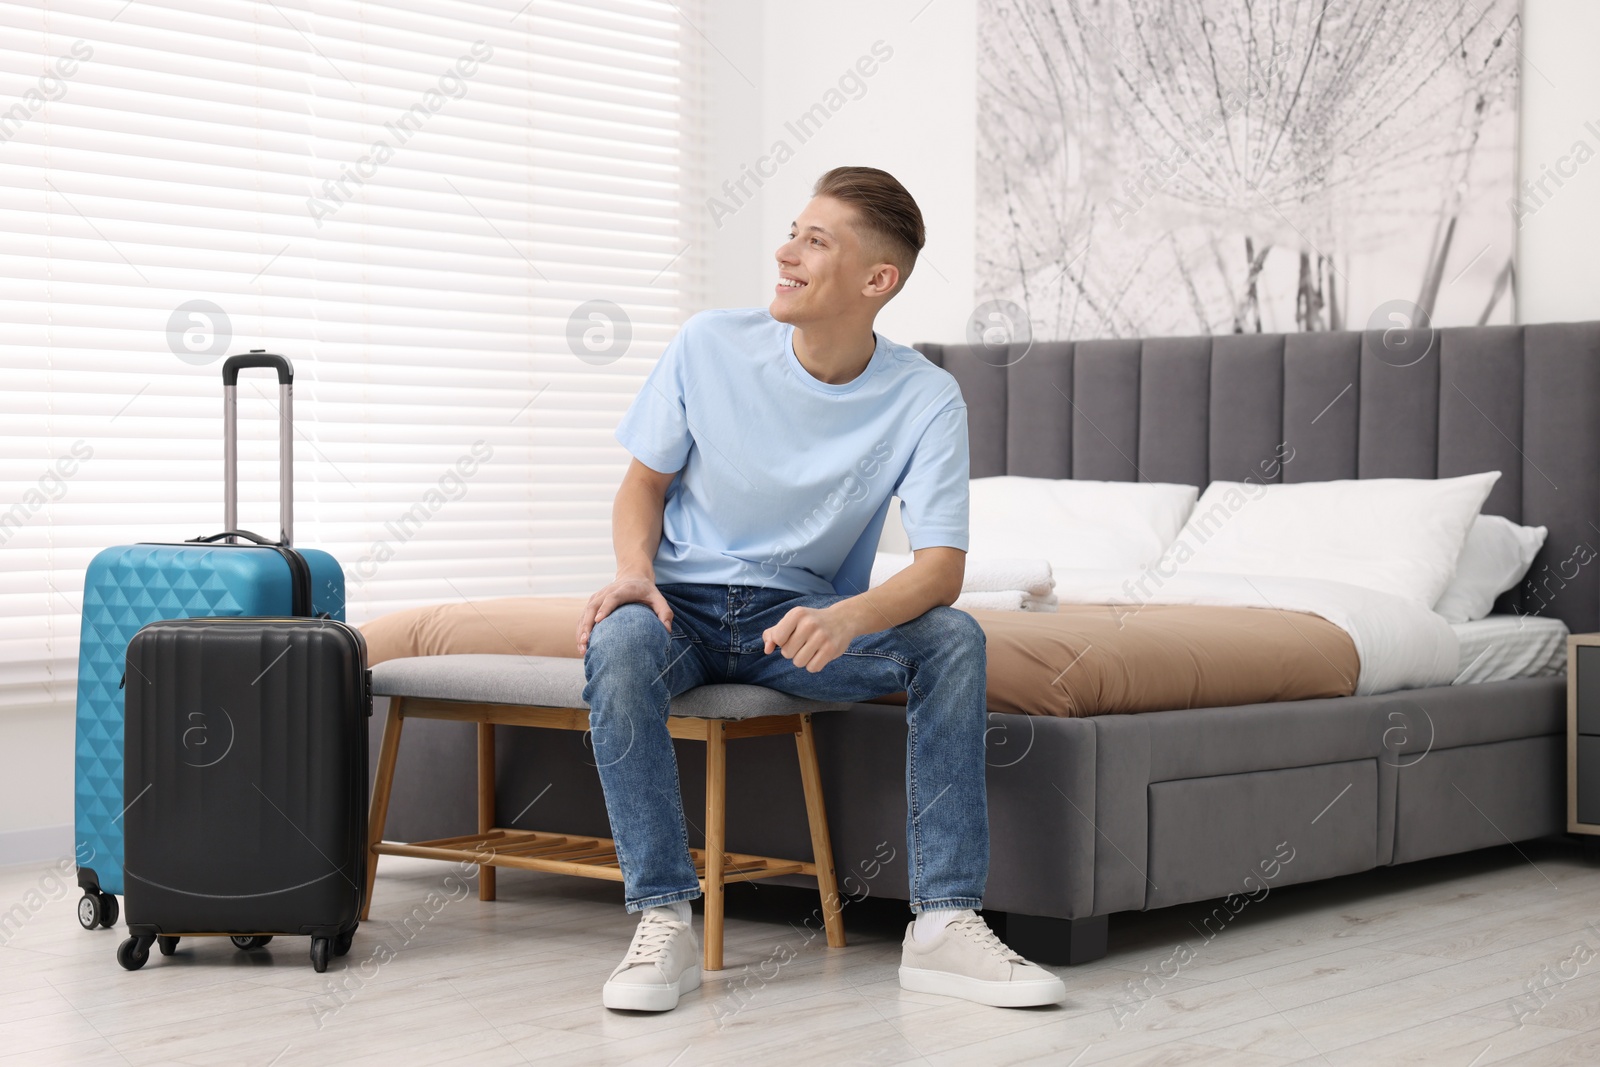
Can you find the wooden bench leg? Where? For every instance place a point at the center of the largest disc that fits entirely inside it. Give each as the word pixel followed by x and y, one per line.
pixel 716 825
pixel 486 881
pixel 382 783
pixel 821 843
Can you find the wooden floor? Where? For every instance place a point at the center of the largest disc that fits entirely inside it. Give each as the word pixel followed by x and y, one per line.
pixel 1428 963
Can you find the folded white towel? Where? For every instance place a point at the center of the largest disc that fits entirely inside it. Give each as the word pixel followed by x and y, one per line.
pixel 1003 574
pixel 994 575
pixel 1007 600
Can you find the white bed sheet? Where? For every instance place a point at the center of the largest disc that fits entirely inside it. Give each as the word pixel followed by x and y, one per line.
pixel 1497 648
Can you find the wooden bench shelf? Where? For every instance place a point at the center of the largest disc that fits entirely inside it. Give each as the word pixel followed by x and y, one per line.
pixel 535 850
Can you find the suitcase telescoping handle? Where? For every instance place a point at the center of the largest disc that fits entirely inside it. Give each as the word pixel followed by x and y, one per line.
pixel 230 439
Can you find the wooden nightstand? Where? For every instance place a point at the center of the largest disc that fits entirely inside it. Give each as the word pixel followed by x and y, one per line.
pixel 1583 733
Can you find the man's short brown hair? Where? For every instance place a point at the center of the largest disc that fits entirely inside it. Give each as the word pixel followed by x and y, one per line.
pixel 885 213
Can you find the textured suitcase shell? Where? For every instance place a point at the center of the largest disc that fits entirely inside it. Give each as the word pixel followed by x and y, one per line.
pixel 126 588
pixel 247 773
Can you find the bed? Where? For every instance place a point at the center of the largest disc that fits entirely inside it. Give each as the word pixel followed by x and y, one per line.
pixel 1095 814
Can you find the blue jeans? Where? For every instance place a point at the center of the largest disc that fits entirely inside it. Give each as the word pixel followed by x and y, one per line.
pixel 635 667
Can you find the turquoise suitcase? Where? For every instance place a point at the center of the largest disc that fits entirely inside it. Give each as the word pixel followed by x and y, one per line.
pixel 231 573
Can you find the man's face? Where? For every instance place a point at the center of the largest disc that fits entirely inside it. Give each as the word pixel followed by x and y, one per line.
pixel 825 256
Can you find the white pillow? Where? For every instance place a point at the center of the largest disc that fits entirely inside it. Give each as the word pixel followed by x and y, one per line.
pixel 1396 535
pixel 1076 524
pixel 1497 554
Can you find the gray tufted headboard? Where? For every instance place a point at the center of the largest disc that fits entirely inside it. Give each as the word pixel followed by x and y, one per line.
pixel 1523 400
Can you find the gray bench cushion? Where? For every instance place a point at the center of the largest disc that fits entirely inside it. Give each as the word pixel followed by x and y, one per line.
pixel 557 682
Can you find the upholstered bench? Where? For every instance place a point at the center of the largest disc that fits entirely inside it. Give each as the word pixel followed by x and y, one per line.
pixel 547 691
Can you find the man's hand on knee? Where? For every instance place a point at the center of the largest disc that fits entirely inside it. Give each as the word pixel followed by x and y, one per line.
pixel 810 637
pixel 626 589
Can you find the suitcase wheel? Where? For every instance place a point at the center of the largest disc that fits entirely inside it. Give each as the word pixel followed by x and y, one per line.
pixel 256 941
pixel 133 952
pixel 319 954
pixel 168 945
pixel 341 943
pixel 96 908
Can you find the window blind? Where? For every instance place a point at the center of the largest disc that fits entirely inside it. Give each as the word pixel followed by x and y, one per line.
pixel 471 227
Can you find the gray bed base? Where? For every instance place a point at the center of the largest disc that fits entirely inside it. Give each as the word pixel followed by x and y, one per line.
pixel 1112 813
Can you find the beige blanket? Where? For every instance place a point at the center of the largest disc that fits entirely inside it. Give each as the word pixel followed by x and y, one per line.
pixel 1082 660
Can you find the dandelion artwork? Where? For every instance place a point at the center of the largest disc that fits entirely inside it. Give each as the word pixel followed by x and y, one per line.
pixel 1181 167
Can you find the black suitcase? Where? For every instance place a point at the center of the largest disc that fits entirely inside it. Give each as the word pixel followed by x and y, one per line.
pixel 246 773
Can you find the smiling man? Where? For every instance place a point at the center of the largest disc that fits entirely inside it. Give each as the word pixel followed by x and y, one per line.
pixel 767 443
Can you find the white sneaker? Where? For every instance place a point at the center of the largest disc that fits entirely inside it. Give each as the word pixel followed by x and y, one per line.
pixel 968 961
pixel 662 964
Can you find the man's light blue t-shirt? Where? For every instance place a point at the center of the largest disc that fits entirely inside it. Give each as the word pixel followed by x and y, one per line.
pixel 784 480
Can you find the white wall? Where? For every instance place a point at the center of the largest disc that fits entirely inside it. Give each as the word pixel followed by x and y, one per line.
pixel 915 119
pixel 1558 244
pixel 734 72
pixel 36 777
